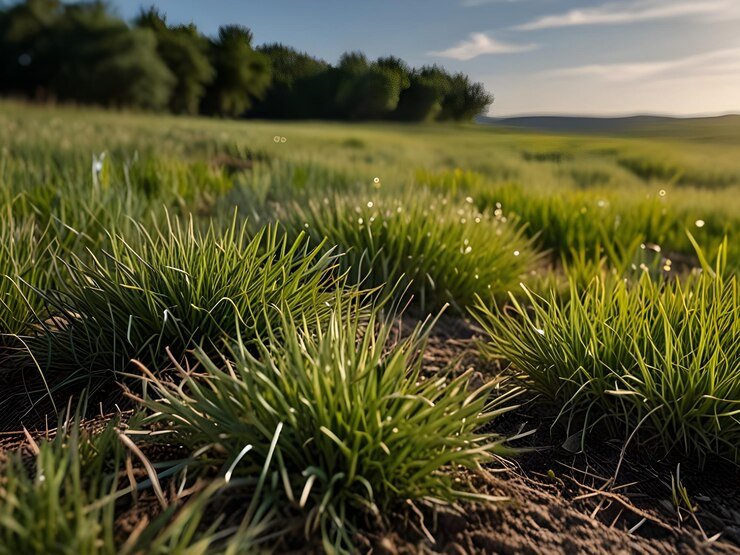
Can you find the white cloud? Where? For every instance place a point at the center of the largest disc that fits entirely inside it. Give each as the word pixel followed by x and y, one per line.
pixel 479 44
pixel 715 62
pixel 631 12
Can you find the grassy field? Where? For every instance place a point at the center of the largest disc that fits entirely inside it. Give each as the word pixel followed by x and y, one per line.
pixel 226 304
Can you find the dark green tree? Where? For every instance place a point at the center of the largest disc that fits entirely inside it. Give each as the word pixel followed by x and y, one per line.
pixel 242 74
pixel 369 90
pixel 422 100
pixel 185 52
pixel 25 64
pixel 294 75
pixel 463 100
pixel 99 59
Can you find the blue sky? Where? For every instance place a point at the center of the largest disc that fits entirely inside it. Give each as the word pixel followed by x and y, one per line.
pixel 608 57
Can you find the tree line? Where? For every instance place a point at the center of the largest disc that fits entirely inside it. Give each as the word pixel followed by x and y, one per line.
pixel 82 52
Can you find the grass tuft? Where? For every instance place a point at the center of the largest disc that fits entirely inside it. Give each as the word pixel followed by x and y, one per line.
pixel 658 356
pixel 361 426
pixel 439 251
pixel 180 288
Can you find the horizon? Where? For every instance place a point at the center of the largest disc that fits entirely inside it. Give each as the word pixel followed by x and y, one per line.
pixel 538 57
pixel 621 115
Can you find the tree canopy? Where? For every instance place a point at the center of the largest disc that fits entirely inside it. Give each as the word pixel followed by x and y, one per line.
pixel 82 52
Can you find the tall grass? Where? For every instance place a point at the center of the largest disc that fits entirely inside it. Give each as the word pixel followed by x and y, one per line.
pixel 176 289
pixel 440 251
pixel 656 357
pixel 361 427
pixel 25 259
pixel 68 496
pixel 51 507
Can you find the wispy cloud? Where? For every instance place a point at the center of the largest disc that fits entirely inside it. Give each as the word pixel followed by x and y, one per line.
pixel 630 12
pixel 479 44
pixel 716 62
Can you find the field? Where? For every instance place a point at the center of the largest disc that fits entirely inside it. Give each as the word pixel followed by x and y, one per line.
pixel 234 336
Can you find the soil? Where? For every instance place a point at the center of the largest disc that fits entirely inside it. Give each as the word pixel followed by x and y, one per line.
pixel 604 499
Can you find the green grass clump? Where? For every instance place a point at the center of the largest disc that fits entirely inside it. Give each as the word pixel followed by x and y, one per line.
pixel 614 224
pixel 657 357
pixel 359 426
pixel 441 251
pixel 51 507
pixel 66 498
pixel 24 264
pixel 178 288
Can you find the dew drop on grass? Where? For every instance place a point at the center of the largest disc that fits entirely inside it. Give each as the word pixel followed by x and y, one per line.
pixel 699 223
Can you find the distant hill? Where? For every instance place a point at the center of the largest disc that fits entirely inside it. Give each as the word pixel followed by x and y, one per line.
pixel 717 128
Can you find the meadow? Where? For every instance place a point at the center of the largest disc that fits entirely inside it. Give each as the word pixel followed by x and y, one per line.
pixel 215 335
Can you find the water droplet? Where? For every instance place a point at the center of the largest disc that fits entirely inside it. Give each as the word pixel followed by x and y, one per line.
pixel 699 223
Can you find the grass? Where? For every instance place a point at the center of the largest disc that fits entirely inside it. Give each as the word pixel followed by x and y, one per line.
pixel 47 509
pixel 68 498
pixel 23 255
pixel 439 251
pixel 361 426
pixel 234 267
pixel 657 357
pixel 175 289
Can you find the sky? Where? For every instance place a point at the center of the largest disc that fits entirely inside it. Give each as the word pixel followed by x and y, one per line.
pixel 613 57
